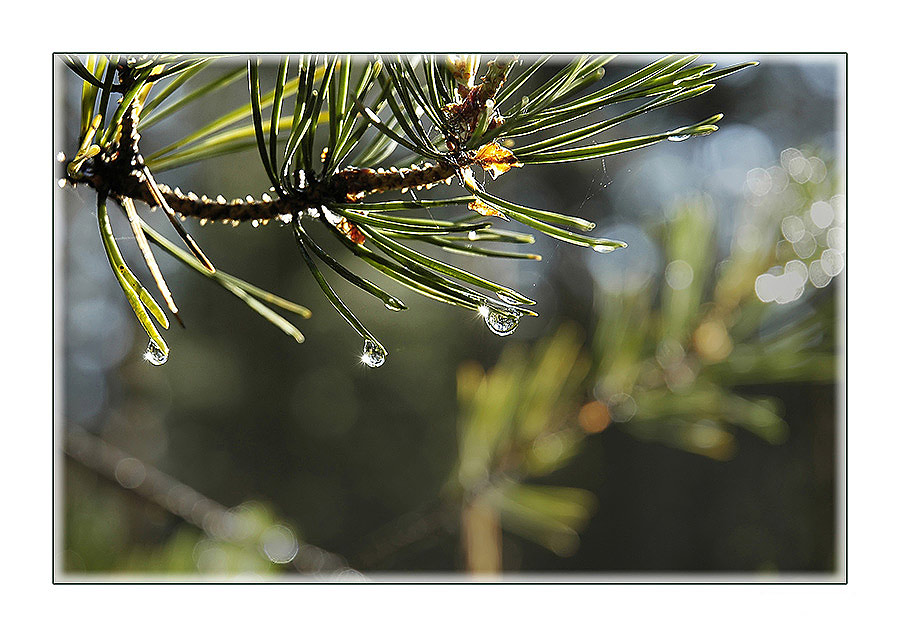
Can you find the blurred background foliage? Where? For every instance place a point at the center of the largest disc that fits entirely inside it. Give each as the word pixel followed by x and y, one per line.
pixel 672 409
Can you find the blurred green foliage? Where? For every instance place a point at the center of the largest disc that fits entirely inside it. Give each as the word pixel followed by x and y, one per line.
pixel 672 366
pixel 671 363
pixel 516 423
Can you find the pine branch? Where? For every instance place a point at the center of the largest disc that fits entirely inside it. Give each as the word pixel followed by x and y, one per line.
pixel 441 111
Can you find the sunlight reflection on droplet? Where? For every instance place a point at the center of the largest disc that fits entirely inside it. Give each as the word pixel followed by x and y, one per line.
pixel 500 323
pixel 822 214
pixel 373 354
pixel 279 544
pixel 155 355
pixel 679 274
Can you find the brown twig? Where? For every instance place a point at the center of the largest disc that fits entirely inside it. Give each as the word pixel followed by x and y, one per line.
pixel 121 172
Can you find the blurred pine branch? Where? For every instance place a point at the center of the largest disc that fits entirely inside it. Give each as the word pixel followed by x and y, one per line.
pixel 670 361
pixel 223 541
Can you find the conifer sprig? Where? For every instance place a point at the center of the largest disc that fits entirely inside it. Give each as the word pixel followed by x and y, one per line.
pixel 446 111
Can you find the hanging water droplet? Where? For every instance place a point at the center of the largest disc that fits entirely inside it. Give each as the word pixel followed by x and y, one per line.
pixel 154 355
pixel 603 249
pixel 373 354
pixel 393 304
pixel 472 235
pixel 61 157
pixel 678 138
pixel 499 323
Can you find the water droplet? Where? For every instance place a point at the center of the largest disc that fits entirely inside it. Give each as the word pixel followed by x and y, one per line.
pixel 154 355
pixel 60 157
pixel 472 235
pixel 678 138
pixel 603 249
pixel 61 183
pixel 373 354
pixel 393 304
pixel 499 323
pixel 333 219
